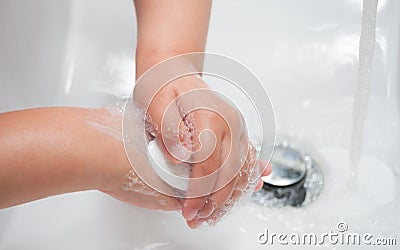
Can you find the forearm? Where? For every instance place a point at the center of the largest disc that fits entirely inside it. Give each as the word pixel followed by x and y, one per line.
pixel 51 151
pixel 167 28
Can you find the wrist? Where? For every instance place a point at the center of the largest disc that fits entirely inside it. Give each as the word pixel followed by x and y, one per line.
pixel 109 161
pixel 150 56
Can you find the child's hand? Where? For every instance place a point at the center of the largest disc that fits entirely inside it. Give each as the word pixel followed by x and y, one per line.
pixel 198 127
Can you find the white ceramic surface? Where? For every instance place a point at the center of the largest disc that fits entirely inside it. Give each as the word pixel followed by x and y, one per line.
pixel 305 53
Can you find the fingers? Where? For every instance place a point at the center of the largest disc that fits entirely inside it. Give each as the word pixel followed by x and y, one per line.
pixel 212 219
pixel 218 200
pixel 236 195
pixel 209 207
pixel 232 160
pixel 243 174
pixel 218 214
pixel 201 186
pixel 211 213
pixel 267 167
pixel 226 155
pixel 204 173
pixel 243 179
pixel 259 185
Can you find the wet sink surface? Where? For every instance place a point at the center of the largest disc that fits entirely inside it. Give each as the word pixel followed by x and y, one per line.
pixel 305 55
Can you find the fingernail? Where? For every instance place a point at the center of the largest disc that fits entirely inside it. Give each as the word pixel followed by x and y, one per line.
pixel 259 185
pixel 265 167
pixel 193 224
pixel 191 215
pixel 197 223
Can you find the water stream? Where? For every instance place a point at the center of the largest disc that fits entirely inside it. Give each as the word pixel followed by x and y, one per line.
pixel 365 56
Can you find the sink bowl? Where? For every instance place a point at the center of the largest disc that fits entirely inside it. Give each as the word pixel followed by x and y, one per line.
pixel 305 53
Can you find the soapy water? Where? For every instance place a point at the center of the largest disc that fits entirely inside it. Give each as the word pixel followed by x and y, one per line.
pixel 299 194
pixel 366 53
pixel 360 105
pixel 370 207
pixel 178 132
pixel 110 124
pixel 184 127
pixel 143 139
pixel 133 183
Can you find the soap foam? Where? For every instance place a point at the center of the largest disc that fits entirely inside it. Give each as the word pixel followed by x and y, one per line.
pixel 148 154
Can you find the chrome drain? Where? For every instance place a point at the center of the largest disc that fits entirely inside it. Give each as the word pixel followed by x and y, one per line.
pixel 296 179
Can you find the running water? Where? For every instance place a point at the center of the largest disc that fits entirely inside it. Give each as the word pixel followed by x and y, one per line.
pixel 365 57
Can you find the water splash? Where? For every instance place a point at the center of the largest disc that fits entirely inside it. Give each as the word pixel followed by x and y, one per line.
pixel 365 56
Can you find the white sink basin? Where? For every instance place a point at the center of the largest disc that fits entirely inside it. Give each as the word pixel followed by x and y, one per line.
pixel 82 53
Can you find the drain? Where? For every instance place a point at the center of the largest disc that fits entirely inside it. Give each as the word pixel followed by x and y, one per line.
pixel 296 180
